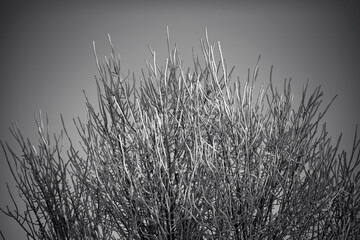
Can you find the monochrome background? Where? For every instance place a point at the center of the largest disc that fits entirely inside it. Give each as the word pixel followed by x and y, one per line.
pixel 46 56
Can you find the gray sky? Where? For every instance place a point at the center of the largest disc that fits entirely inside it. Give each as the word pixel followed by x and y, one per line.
pixel 47 59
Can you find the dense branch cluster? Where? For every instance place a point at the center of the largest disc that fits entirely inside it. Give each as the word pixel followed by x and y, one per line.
pixel 190 154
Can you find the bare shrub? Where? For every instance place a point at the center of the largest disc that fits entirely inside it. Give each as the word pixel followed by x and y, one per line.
pixel 189 154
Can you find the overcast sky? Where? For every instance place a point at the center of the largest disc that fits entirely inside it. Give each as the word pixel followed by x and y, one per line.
pixel 46 53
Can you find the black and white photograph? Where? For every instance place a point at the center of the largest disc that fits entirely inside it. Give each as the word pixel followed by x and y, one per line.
pixel 179 119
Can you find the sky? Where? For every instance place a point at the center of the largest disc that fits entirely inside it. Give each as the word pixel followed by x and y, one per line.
pixel 46 56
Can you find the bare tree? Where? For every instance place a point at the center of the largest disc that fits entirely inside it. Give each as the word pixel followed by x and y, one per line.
pixel 183 155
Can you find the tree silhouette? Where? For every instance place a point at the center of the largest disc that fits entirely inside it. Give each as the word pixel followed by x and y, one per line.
pixel 189 154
